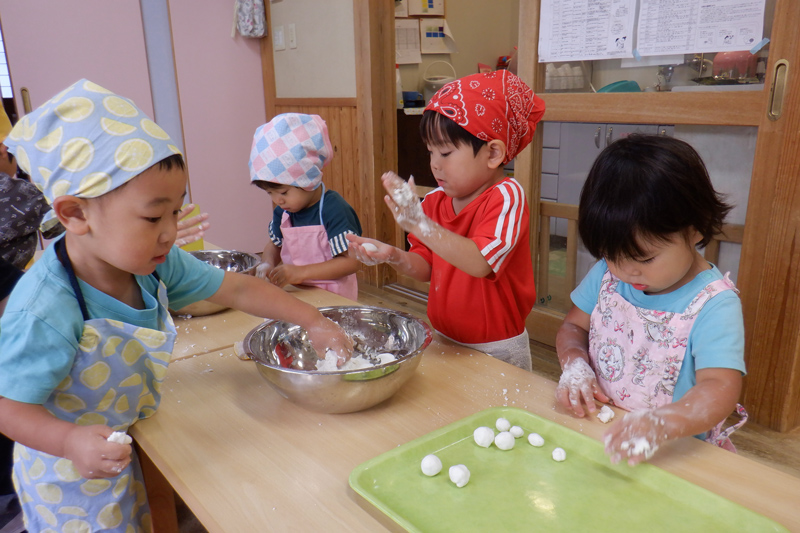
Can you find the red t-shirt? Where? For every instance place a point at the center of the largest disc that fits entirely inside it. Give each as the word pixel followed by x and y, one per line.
pixel 476 310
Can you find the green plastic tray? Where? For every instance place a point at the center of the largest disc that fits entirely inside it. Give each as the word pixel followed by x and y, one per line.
pixel 524 489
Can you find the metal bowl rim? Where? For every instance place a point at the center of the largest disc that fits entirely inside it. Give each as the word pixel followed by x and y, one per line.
pixel 217 251
pixel 398 361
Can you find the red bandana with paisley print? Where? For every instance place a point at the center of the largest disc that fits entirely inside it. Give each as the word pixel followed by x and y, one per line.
pixel 492 105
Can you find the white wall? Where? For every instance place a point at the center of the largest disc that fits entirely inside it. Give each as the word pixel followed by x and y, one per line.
pixel 323 64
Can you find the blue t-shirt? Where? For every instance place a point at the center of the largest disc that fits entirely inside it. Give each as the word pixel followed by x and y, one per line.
pixel 338 218
pixel 717 336
pixel 42 324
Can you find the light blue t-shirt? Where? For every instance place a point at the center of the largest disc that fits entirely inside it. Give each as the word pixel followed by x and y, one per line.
pixel 717 336
pixel 42 324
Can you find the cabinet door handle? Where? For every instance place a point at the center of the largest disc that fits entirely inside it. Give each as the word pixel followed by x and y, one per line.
pixel 26 100
pixel 777 92
pixel 609 135
pixel 597 137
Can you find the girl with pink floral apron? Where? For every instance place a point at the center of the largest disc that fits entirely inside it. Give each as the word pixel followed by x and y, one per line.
pixel 638 363
pixel 306 245
pixel 115 380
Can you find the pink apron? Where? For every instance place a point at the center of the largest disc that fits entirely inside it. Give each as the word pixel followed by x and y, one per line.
pixel 308 245
pixel 637 353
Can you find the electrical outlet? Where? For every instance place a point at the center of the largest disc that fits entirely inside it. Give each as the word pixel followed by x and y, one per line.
pixel 291 36
pixel 277 39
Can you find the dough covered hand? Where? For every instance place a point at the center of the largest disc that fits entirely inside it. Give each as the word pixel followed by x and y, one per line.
pixel 190 229
pixel 368 251
pixel 284 274
pixel 93 455
pixel 405 204
pixel 263 270
pixel 578 387
pixel 329 340
pixel 636 437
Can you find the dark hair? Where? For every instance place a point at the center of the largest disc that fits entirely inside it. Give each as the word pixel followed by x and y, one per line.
pixel 175 160
pixel 438 130
pixel 646 187
pixel 268 185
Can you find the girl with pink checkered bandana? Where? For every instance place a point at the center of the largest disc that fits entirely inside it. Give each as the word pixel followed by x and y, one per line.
pixel 655 328
pixel 307 242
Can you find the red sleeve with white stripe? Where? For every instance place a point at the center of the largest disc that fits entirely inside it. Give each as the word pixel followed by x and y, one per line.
pixel 500 225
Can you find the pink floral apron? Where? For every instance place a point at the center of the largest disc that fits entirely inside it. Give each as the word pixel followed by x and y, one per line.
pixel 115 380
pixel 307 245
pixel 637 353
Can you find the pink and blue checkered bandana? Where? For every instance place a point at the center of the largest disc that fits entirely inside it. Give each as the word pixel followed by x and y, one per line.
pixel 291 149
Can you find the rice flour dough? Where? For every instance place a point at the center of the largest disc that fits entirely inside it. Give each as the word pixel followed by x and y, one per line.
pixel 484 436
pixel 459 474
pixel 368 246
pixel 516 431
pixel 502 424
pixel 431 465
pixel 504 440
pixel 605 414
pixel 120 437
pixel 559 454
pixel 536 440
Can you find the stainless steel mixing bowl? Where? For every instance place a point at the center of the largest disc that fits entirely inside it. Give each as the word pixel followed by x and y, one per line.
pixel 229 260
pixel 285 358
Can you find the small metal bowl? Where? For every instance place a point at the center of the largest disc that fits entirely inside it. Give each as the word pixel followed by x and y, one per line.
pixel 229 260
pixel 285 358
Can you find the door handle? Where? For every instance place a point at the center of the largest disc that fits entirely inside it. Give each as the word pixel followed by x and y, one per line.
pixel 609 135
pixel 26 100
pixel 597 137
pixel 777 93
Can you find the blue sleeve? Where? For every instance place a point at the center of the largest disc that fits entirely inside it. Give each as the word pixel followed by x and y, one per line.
pixel 188 279
pixel 339 219
pixel 585 295
pixel 275 233
pixel 716 341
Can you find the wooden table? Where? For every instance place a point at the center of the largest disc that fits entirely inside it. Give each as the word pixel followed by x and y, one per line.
pixel 245 459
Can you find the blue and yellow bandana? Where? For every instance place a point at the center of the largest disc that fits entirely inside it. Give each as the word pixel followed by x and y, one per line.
pixel 85 142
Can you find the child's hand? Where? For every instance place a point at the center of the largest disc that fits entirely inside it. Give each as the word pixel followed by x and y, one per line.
pixel 404 203
pixel 284 274
pixel 263 270
pixel 636 437
pixel 93 456
pixel 329 339
pixel 368 251
pixel 192 229
pixel 578 386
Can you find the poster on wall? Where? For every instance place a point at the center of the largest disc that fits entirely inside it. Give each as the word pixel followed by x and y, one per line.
pixel 573 30
pixel 400 8
pixel 436 37
pixel 695 26
pixel 426 7
pixel 406 41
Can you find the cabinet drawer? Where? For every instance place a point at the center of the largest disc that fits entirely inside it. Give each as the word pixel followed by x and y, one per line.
pixel 549 187
pixel 550 160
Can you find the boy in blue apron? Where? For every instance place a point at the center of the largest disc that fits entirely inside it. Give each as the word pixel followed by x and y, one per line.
pixel 86 337
pixel 307 242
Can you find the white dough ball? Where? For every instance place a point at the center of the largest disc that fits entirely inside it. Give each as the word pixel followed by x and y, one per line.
pixel 120 437
pixel 483 436
pixel 368 246
pixel 605 414
pixel 504 440
pixel 502 424
pixel 431 465
pixel 535 439
pixel 516 431
pixel 559 454
pixel 459 474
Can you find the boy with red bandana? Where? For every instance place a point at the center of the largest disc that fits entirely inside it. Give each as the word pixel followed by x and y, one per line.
pixel 470 236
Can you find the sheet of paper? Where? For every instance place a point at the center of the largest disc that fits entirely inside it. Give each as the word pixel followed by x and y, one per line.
pixel 571 30
pixel 693 26
pixel 436 37
pixel 406 41
pixel 426 7
pixel 400 8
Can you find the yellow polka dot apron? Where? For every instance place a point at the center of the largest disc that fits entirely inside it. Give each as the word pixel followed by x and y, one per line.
pixel 115 380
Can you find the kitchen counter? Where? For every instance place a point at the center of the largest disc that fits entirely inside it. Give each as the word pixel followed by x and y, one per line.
pixel 245 459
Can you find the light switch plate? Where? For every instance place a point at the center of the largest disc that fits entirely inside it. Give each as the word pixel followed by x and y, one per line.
pixel 277 38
